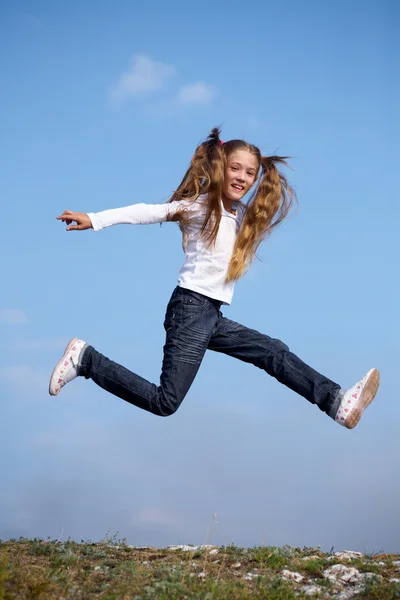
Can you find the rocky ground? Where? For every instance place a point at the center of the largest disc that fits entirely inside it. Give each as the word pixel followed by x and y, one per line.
pixel 113 569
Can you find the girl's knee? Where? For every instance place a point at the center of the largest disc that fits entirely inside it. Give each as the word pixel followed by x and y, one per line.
pixel 167 409
pixel 168 402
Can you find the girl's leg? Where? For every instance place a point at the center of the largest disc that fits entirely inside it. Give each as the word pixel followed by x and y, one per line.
pixel 274 357
pixel 189 321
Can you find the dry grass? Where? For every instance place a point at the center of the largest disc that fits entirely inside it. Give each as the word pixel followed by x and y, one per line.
pixel 111 570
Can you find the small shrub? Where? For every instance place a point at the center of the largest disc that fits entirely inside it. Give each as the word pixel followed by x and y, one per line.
pixel 271 557
pixel 3 574
pixel 314 567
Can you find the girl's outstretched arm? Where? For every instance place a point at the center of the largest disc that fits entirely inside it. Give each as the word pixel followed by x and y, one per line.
pixel 136 214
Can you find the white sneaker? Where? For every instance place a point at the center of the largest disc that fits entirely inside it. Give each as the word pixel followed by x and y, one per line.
pixel 66 370
pixel 356 399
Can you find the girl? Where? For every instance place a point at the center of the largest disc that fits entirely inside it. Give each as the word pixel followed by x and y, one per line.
pixel 220 239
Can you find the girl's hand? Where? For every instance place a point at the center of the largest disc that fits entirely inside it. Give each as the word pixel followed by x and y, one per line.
pixel 81 219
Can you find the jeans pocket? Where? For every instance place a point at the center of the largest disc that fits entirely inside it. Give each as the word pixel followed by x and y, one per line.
pixel 193 300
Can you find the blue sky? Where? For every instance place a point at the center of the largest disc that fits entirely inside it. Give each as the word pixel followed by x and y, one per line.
pixel 102 105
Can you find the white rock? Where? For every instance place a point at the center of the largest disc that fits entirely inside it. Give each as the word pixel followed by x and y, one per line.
pixel 213 551
pixel 394 580
pixel 348 555
pixel 381 564
pixel 348 594
pixel 396 563
pixel 368 576
pixel 97 568
pixel 347 574
pixel 187 548
pixel 202 575
pixel 250 576
pixel 237 565
pixel 311 590
pixel 313 557
pixel 292 576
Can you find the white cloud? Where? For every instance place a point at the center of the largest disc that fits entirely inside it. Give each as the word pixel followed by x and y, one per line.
pixel 85 433
pixel 144 75
pixel 25 379
pixel 196 93
pixel 156 516
pixel 41 344
pixel 12 316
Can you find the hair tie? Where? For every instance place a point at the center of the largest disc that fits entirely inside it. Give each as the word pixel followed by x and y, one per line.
pixel 221 143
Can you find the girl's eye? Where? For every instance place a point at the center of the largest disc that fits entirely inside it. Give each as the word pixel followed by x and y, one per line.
pixel 234 168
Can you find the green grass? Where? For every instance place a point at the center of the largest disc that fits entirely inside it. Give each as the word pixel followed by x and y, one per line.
pixel 112 570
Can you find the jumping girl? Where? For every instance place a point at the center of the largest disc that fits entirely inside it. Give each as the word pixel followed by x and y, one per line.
pixel 220 238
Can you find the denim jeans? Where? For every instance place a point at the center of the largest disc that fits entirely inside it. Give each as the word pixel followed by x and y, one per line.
pixel 193 324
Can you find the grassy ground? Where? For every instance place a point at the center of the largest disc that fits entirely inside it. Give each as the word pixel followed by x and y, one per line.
pixel 112 570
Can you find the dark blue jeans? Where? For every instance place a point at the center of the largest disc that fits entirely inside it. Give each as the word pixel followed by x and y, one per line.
pixel 193 324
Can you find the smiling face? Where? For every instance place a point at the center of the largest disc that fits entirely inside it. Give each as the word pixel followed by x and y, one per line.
pixel 240 174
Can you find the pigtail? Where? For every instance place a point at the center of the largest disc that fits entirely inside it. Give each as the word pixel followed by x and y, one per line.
pixel 269 205
pixel 204 176
pixel 216 166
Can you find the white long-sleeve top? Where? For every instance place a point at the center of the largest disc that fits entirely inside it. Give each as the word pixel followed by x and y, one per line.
pixel 205 268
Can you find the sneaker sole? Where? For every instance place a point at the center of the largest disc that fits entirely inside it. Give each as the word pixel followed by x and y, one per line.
pixel 367 395
pixel 54 374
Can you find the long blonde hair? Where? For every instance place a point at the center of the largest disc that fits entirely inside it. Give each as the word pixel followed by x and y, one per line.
pixel 268 204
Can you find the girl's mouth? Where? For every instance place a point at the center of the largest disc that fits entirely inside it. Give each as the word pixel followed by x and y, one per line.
pixel 238 187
